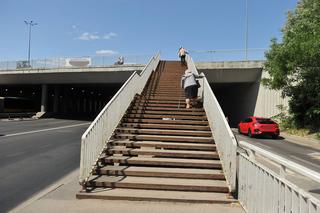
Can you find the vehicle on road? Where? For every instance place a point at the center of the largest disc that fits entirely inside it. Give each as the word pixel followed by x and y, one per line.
pixel 254 126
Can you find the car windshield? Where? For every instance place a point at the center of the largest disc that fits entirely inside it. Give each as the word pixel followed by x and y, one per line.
pixel 265 121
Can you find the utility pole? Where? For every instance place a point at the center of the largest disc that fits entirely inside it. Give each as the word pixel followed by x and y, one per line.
pixel 246 33
pixel 30 24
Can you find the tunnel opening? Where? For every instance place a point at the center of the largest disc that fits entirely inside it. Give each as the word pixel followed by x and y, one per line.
pixel 237 100
pixel 76 101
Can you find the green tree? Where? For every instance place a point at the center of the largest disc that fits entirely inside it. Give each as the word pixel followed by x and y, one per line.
pixel 294 63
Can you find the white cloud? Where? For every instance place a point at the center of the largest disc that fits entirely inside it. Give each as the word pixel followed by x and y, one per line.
pixel 106 52
pixel 88 36
pixel 109 35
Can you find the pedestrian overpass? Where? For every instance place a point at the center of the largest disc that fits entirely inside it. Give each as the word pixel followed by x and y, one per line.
pixel 144 145
pixel 85 90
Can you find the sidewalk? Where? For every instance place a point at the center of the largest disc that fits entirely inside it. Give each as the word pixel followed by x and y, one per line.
pixel 62 198
pixel 303 141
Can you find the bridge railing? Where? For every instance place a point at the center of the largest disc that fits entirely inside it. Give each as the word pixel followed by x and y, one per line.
pixel 228 54
pixel 222 134
pixel 73 62
pixel 99 132
pixel 263 190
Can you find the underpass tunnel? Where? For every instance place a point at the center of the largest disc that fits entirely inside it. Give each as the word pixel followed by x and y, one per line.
pixel 83 101
pixel 237 100
pixel 80 101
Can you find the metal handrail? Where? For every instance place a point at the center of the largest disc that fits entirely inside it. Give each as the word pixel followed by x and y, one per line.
pixel 283 162
pixel 222 134
pixel 101 129
pixel 261 189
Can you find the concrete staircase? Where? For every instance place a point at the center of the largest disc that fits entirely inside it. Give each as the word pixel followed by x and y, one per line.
pixel 161 151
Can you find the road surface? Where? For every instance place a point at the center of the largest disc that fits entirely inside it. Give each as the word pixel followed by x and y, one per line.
pixel 35 154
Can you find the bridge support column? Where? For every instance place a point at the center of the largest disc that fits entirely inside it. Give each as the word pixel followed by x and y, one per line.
pixel 56 99
pixel 44 98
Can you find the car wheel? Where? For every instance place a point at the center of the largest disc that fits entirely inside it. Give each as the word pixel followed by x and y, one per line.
pixel 275 136
pixel 249 133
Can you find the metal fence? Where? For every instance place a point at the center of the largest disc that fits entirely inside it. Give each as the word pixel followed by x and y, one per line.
pixel 263 190
pixel 228 55
pixel 222 134
pixel 101 129
pixel 85 61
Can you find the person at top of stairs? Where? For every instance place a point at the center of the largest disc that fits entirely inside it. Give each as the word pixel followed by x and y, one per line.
pixel 190 86
pixel 182 54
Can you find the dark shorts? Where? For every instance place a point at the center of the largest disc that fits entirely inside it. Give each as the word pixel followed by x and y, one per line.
pixel 191 91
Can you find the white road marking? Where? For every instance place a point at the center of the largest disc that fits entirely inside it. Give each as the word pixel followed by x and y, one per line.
pixel 305 161
pixel 315 155
pixel 15 154
pixel 44 130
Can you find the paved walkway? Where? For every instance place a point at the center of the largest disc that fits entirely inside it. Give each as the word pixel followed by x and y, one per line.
pixel 310 142
pixel 61 198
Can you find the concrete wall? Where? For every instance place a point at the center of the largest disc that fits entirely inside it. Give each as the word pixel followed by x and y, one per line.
pixel 237 85
pixel 267 100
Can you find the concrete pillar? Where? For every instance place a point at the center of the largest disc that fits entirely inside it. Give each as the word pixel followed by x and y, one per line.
pixel 56 100
pixel 84 105
pixel 44 98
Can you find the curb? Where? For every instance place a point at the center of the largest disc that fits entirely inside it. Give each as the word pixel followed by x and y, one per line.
pixel 62 181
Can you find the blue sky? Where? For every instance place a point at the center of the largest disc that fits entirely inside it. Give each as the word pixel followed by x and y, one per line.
pixel 95 27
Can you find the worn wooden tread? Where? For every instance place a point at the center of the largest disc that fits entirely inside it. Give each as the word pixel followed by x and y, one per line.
pixel 169 109
pixel 165 112
pixel 198 133
pixel 184 184
pixel 216 174
pixel 161 121
pixel 163 153
pixel 168 145
pixel 173 162
pixel 165 126
pixel 165 138
pixel 177 117
pixel 157 195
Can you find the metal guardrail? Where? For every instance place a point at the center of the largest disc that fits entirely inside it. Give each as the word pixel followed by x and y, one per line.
pixel 101 129
pixel 64 62
pixel 263 190
pixel 228 54
pixel 222 134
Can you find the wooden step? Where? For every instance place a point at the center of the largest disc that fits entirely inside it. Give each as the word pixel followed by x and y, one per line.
pixel 160 121
pixel 167 112
pixel 124 130
pixel 181 184
pixel 163 153
pixel 164 138
pixel 157 195
pixel 165 126
pixel 177 106
pixel 152 101
pixel 214 174
pixel 170 162
pixel 164 145
pixel 164 117
pixel 168 109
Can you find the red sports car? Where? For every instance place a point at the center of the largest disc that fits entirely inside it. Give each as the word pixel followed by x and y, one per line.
pixel 259 126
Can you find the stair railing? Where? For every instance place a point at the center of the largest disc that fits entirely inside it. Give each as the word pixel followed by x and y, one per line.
pixel 262 189
pixel 222 134
pixel 101 129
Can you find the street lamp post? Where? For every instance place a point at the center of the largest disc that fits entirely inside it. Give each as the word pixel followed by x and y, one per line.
pixel 30 24
pixel 246 33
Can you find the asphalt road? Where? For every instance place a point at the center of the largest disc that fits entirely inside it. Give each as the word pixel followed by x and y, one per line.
pixel 35 154
pixel 306 156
